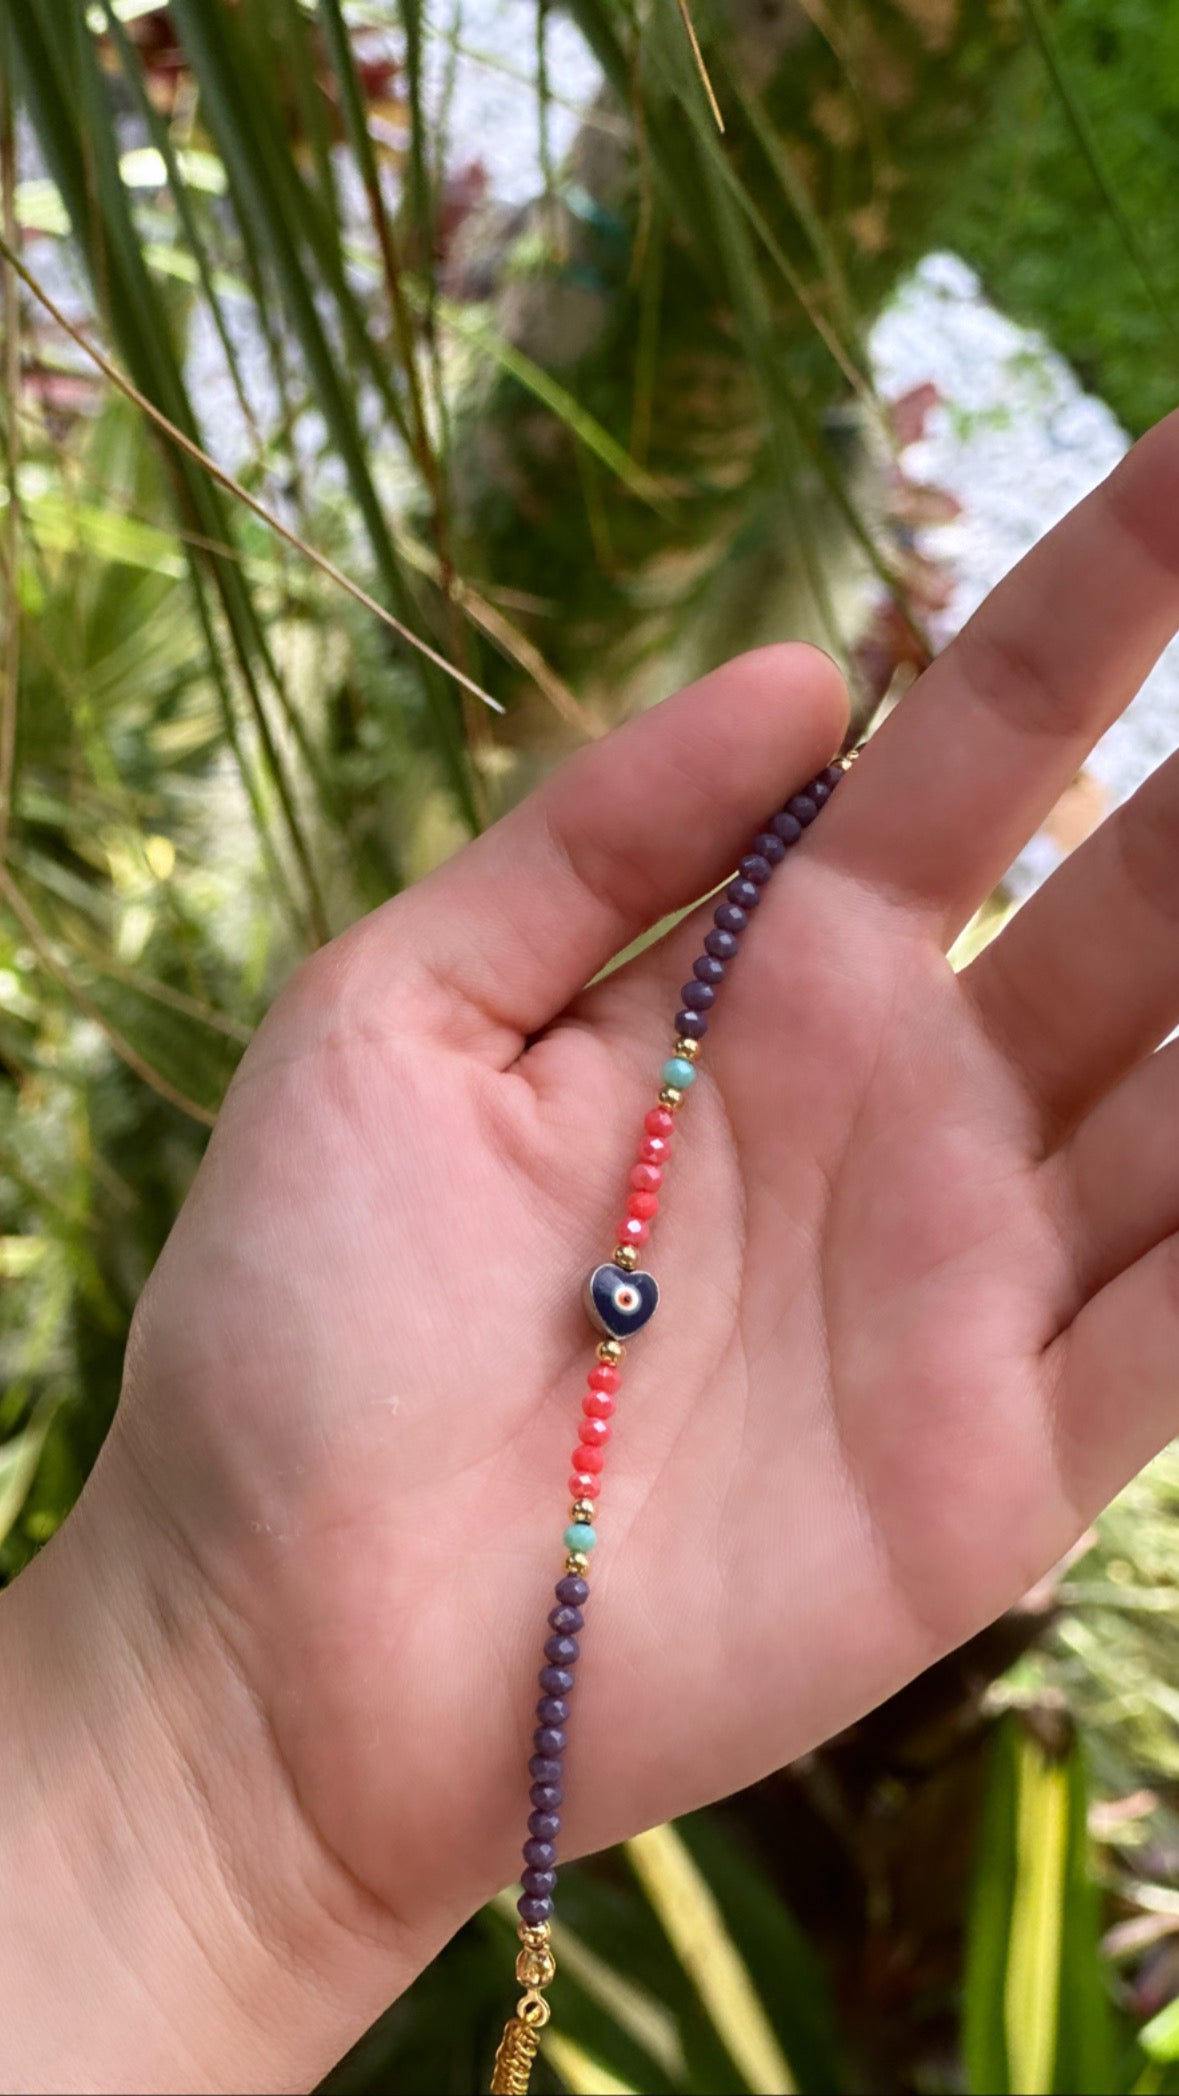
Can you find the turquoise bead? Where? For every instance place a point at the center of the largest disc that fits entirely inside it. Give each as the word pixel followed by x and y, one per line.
pixel 678 1070
pixel 580 1536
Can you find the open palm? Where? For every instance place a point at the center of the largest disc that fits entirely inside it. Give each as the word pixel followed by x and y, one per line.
pixel 919 1288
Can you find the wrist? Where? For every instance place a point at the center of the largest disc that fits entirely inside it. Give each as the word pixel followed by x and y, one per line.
pixel 173 1920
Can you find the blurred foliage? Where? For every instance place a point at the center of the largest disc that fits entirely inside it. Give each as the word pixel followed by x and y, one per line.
pixel 578 451
pixel 1016 212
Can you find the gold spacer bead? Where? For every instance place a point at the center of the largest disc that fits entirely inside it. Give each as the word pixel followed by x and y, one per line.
pixel 625 1256
pixel 582 1510
pixel 577 1561
pixel 670 1095
pixel 611 1350
pixel 535 1934
pixel 536 1966
pixel 688 1048
pixel 849 757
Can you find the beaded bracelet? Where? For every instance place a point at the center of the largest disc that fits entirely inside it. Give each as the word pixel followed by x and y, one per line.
pixel 620 1298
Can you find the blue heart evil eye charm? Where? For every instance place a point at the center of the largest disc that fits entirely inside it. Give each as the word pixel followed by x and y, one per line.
pixel 619 1303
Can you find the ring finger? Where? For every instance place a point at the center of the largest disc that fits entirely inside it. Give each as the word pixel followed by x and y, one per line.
pixel 1113 1183
pixel 1084 980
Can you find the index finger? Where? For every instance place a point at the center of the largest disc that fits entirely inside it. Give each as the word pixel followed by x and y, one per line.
pixel 978 753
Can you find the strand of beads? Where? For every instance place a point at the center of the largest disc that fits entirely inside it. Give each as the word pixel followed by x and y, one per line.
pixel 620 1299
pixel 731 917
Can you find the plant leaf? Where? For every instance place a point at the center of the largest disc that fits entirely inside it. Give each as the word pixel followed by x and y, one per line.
pixel 692 1920
pixel 19 1458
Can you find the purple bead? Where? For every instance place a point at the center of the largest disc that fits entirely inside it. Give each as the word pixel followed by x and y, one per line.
pixel 698 996
pixel 541 1855
pixel 769 846
pixel 567 1620
pixel 818 792
pixel 573 1590
pixel 787 827
pixel 546 1797
pixel 745 894
pixel 534 1911
pixel 540 1883
pixel 552 1710
pixel 555 1681
pixel 545 1825
pixel 831 775
pixel 721 945
pixel 756 869
pixel 546 1768
pixel 728 918
pixel 802 807
pixel 708 969
pixel 549 1739
pixel 693 1025
pixel 563 1651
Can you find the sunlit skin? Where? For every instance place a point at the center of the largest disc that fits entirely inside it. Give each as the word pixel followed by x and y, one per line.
pixel 920 1298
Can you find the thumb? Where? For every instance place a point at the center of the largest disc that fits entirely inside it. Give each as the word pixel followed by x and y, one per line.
pixel 626 831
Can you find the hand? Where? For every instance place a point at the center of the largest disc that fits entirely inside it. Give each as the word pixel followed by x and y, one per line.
pixel 919 1285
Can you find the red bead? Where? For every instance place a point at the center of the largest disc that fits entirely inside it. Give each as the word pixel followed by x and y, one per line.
pixel 646 1178
pixel 653 1150
pixel 583 1486
pixel 632 1231
pixel 603 1377
pixel 595 1433
pixel 659 1121
pixel 644 1206
pixel 597 1404
pixel 590 1459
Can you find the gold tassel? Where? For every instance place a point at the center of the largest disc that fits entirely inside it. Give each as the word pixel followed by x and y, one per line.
pixel 535 1968
pixel 513 2062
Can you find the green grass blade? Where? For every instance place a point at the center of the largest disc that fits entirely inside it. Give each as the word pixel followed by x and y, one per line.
pixel 178 187
pixel 1036 2012
pixel 19 1458
pixel 355 115
pixel 692 1920
pixel 432 462
pixel 782 1964
pixel 292 28
pixel 419 189
pixel 1031 1993
pixel 1087 2045
pixel 984 2020
pixel 581 2073
pixel 810 220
